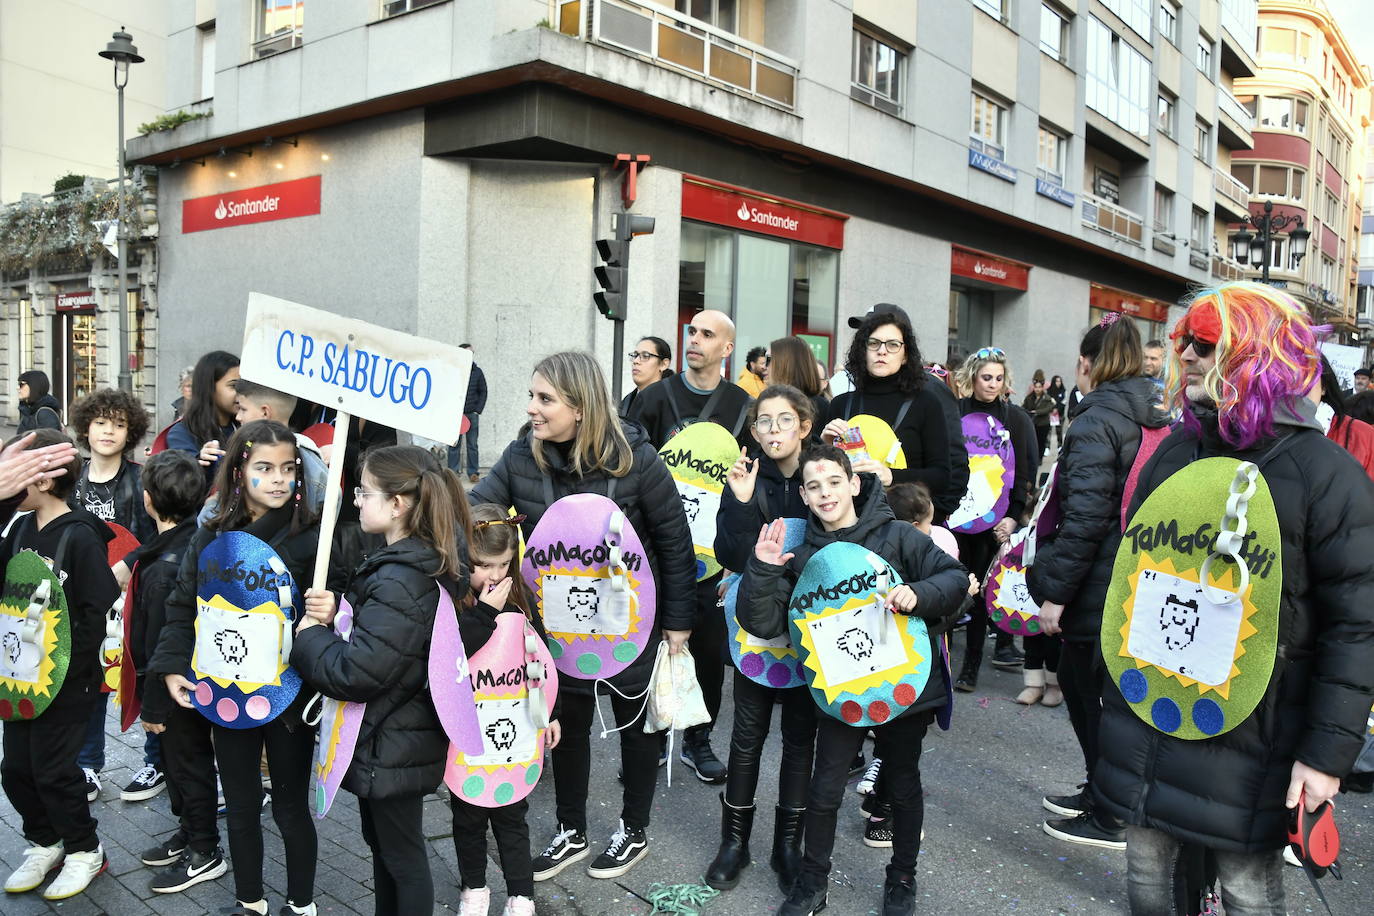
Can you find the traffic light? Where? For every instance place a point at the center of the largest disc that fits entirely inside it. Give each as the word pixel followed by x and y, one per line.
pixel 614 273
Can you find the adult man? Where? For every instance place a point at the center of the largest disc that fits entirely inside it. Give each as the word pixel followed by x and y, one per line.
pixel 1361 380
pixel 752 376
pixel 1154 358
pixel 700 394
pixel 473 405
pixel 1290 722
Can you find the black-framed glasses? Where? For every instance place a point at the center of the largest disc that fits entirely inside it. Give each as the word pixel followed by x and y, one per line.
pixel 782 423
pixel 887 346
pixel 991 353
pixel 1201 347
pixel 637 355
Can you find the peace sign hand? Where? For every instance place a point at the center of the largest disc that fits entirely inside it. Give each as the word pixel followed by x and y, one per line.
pixel 769 547
pixel 742 476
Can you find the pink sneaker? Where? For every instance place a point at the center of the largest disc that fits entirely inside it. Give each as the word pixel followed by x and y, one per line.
pixel 474 901
pixel 518 906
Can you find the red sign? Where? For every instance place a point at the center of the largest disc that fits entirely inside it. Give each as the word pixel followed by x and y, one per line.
pixel 283 200
pixel 1114 300
pixel 750 211
pixel 976 265
pixel 76 302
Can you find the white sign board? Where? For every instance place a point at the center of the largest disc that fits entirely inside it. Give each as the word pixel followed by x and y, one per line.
pixel 1344 361
pixel 386 376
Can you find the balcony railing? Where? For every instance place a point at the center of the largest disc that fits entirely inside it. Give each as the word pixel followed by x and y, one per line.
pixel 1234 110
pixel 699 48
pixel 1227 269
pixel 1230 188
pixel 1105 216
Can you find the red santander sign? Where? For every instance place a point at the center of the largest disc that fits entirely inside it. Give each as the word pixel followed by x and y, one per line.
pixel 738 208
pixel 977 265
pixel 283 200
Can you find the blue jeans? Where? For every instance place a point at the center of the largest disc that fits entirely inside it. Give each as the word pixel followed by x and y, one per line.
pixel 92 756
pixel 1250 884
pixel 152 750
pixel 468 442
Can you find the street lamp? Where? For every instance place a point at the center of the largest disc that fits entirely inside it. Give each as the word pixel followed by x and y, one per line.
pixel 1255 248
pixel 121 50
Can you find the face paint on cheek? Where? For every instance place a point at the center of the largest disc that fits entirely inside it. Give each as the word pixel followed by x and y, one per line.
pixel 291 484
pixel 255 482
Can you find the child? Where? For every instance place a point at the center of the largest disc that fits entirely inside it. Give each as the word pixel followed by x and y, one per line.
pixel 494 590
pixel 759 491
pixel 850 507
pixel 173 489
pixel 39 770
pixel 262 477
pixel 418 507
pixel 109 423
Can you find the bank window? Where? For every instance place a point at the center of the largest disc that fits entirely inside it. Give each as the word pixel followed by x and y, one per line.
pixel 1164 112
pixel 1051 154
pixel 1168 21
pixel 988 126
pixel 277 26
pixel 1054 33
pixel 1164 209
pixel 1202 139
pixel 1199 231
pixel 878 69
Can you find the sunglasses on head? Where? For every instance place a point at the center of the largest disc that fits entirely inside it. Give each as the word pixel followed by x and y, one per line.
pixel 990 353
pixel 1201 347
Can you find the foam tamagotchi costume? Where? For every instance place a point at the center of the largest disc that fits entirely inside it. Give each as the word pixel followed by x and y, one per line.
pixel 871 437
pixel 991 474
pixel 770 662
pixel 35 637
pixel 450 688
pixel 117 630
pixel 246 605
pixel 590 577
pixel 699 457
pixel 1190 626
pixel 340 723
pixel 863 663
pixel 515 685
pixel 1006 593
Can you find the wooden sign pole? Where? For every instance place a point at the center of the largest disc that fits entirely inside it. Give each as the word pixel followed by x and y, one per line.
pixel 333 488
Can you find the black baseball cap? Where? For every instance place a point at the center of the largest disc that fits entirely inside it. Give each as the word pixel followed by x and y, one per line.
pixel 1365 372
pixel 883 308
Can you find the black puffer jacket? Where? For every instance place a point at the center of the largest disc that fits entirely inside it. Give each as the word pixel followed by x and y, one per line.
pixel 738 524
pixel 937 578
pixel 1227 792
pixel 384 664
pixel 1073 565
pixel 649 499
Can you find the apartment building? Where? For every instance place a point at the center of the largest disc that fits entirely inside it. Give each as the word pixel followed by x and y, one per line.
pixel 1364 308
pixel 1007 170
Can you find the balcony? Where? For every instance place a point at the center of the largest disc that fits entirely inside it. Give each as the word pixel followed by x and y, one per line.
pixel 1236 126
pixel 670 38
pixel 1227 269
pixel 1232 197
pixel 1118 222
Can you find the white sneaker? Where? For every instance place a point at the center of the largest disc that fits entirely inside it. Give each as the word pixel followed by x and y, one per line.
pixel 78 871
pixel 1289 856
pixel 92 784
pixel 474 901
pixel 308 910
pixel 870 778
pixel 518 906
pixel 147 782
pixel 257 906
pixel 38 861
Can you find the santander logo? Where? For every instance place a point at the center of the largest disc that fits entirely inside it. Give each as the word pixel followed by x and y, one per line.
pixel 743 213
pixel 235 209
pixel 221 211
pixel 748 214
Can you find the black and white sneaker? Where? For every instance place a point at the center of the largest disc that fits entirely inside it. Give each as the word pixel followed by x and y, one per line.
pixel 192 869
pixel 1068 805
pixel 567 846
pixel 627 847
pixel 92 784
pixel 878 834
pixel 146 783
pixel 1087 830
pixel 169 853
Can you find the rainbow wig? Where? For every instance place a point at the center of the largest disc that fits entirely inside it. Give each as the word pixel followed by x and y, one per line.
pixel 1266 356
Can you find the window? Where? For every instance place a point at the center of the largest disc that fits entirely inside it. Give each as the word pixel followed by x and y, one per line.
pixel 277 26
pixel 1135 13
pixel 1054 33
pixel 1367 247
pixel 992 8
pixel 1164 113
pixel 1328 277
pixel 1118 79
pixel 1333 210
pixel 397 7
pixel 1051 154
pixel 988 126
pixel 205 37
pixel 1164 209
pixel 1283 114
pixel 1167 22
pixel 723 14
pixel 1282 43
pixel 1202 140
pixel 877 76
pixel 1204 56
pixel 1272 180
pixel 1198 231
pixel 1107 185
pixel 1304 47
pixel 1278 253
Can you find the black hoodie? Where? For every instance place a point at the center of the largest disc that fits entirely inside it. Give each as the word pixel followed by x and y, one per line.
pixel 938 580
pixel 738 524
pixel 159 561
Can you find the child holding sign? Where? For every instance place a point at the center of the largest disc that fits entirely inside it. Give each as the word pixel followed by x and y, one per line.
pixel 262 483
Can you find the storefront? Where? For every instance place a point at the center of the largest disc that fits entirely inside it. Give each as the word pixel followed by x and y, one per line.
pixel 977 281
pixel 74 347
pixel 772 265
pixel 1150 315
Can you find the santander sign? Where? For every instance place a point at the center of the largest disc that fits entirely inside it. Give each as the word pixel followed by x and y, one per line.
pixel 748 214
pixel 283 200
pixel 738 208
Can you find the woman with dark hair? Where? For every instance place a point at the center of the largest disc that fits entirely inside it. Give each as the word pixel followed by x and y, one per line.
pixel 649 362
pixel 208 422
pixel 791 362
pixel 37 408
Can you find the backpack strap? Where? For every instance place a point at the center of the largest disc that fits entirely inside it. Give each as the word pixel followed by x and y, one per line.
pixel 858 402
pixel 1149 444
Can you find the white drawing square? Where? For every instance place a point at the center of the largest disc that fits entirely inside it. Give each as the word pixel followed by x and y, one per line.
pixel 233 645
pixel 1174 626
pixel 585 605
pixel 1014 594
pixel 19 660
pixel 754 642
pixel 851 645
pixel 701 507
pixel 508 734
pixel 978 500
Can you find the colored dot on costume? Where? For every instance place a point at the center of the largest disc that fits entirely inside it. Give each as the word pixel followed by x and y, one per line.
pixel 26 708
pixel 473 786
pixel 1208 716
pixel 751 665
pixel 6 710
pixel 588 663
pixel 1134 687
pixel 1166 715
pixel 555 650
pixel 904 694
pixel 878 711
pixel 779 675
pixel 503 794
pixel 625 652
pixel 851 712
pixel 532 774
pixel 227 709
pixel 204 695
pixel 258 707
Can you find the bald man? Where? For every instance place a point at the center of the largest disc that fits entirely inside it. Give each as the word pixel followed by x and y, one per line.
pixel 700 394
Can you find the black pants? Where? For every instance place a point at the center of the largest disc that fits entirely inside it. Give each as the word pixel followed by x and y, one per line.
pixel 1042 652
pixel 188 759
pixel 512 833
pixel 976 552
pixel 394 831
pixel 898 744
pixel 1042 442
pixel 572 760
pixel 1081 673
pixel 41 777
pixel 753 710
pixel 709 650
pixel 290 751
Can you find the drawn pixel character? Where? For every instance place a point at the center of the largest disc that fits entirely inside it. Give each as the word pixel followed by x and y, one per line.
pixel 1020 593
pixel 855 643
pixel 501 733
pixel 232 646
pixel 12 647
pixel 582 602
pixel 691 505
pixel 1179 620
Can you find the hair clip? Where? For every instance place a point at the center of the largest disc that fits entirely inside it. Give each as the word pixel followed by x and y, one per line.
pixel 1109 319
pixel 511 520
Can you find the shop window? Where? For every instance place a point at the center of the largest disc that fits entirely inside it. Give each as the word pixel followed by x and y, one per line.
pixel 277 26
pixel 988 127
pixel 878 71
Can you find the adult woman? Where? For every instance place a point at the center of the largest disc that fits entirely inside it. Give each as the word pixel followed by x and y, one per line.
pixel 208 423
pixel 575 443
pixel 890 383
pixel 649 362
pixel 1040 404
pixel 37 408
pixel 791 362
pixel 1073 565
pixel 985 380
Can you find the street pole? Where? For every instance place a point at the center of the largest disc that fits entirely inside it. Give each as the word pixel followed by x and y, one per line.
pixel 1266 230
pixel 126 379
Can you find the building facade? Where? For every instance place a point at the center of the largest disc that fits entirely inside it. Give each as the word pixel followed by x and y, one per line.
pixel 1006 170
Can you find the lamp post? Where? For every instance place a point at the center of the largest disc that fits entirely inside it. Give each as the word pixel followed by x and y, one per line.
pixel 1267 224
pixel 122 51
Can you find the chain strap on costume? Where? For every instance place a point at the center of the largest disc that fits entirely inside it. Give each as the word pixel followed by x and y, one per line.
pixel 1002 435
pixel 283 602
pixel 619 574
pixel 31 630
pixel 1231 536
pixel 534 680
pixel 884 587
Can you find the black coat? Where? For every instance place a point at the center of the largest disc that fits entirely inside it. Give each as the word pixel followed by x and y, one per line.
pixel 118 500
pixel 738 524
pixel 1073 565
pixel 649 499
pixel 1023 443
pixel 384 664
pixel 1227 792
pixel 159 563
pixel 938 580
pixel 475 401
pixel 666 408
pixel 45 413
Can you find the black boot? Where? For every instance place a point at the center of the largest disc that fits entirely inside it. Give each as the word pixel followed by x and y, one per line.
pixel 697 754
pixel 899 893
pixel 733 856
pixel 787 845
pixel 968 675
pixel 1006 656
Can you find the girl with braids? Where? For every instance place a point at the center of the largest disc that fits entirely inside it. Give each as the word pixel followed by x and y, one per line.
pixel 262 486
pixel 418 509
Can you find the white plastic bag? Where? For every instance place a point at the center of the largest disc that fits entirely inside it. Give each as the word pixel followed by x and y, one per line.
pixel 672 700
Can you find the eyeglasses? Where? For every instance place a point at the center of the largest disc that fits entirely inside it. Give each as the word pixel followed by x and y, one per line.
pixel 638 355
pixel 360 493
pixel 886 346
pixel 990 353
pixel 782 423
pixel 1201 347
